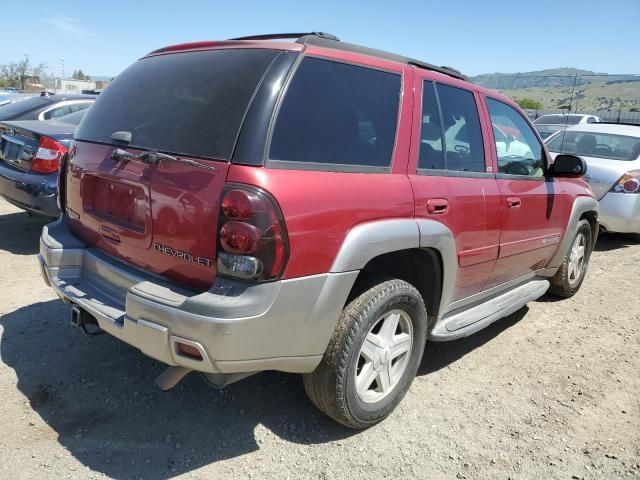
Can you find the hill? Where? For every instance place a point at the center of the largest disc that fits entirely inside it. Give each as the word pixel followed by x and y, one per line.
pixel 554 88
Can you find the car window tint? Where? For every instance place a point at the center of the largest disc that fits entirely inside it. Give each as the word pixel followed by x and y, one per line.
pixel 189 103
pixel 58 112
pixel 462 132
pixel 517 147
pixel 340 114
pixel 76 107
pixel 73 118
pixel 592 144
pixel 431 155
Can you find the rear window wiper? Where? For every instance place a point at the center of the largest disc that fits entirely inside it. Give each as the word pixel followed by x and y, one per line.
pixel 153 157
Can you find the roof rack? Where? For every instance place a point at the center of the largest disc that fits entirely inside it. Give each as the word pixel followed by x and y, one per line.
pixel 276 36
pixel 350 47
pixel 327 40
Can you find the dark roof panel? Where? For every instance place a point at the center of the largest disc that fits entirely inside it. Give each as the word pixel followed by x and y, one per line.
pixel 327 40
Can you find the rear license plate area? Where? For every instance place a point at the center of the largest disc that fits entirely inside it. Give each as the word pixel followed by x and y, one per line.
pixel 12 149
pixel 116 202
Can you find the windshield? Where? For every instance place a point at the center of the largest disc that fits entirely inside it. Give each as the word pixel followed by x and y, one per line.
pixel 599 145
pixel 189 103
pixel 20 107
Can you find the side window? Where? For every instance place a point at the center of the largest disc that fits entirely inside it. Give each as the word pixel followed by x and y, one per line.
pixel 464 149
pixel 518 149
pixel 337 114
pixel 431 154
pixel 591 120
pixel 58 112
pixel 76 107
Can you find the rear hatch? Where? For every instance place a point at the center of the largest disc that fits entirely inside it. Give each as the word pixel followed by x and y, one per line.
pixel 160 213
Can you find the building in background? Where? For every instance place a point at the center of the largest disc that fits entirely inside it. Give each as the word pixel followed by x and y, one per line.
pixel 73 86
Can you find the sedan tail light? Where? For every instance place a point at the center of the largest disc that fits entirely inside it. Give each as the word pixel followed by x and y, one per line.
pixel 47 159
pixel 628 183
pixel 252 239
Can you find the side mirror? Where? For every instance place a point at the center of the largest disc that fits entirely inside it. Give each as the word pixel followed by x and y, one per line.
pixel 568 166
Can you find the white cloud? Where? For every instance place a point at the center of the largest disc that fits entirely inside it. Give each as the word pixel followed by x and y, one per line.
pixel 68 25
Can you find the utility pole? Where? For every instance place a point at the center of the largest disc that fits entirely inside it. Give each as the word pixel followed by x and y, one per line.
pixel 619 111
pixel 62 68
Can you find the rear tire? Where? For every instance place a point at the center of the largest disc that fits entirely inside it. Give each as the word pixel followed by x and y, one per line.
pixel 373 356
pixel 568 279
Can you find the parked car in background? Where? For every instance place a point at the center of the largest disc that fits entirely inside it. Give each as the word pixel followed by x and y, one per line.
pixel 45 106
pixel 30 155
pixel 337 206
pixel 612 153
pixel 549 124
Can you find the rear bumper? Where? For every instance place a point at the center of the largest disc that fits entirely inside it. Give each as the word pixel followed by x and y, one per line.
pixel 31 191
pixel 238 328
pixel 620 212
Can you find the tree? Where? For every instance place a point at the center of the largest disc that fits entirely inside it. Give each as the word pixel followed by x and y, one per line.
pixel 79 75
pixel 11 74
pixel 529 103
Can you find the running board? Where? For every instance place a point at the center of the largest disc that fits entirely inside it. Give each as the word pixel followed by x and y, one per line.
pixel 469 321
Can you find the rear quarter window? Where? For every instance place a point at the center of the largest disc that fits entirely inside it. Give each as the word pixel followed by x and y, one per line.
pixel 336 115
pixel 189 103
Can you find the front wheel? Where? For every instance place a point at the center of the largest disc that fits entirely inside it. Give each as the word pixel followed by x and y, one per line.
pixel 373 356
pixel 571 273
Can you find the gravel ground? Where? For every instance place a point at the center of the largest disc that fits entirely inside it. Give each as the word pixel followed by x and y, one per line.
pixel 550 392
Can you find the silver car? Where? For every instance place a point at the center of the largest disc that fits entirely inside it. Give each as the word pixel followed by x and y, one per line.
pixel 612 153
pixel 547 125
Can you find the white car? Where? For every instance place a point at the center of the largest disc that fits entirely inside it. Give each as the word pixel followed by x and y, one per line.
pixel 612 153
pixel 546 125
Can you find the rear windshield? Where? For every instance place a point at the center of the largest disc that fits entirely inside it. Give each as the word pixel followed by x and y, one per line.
pixel 20 107
pixel 188 103
pixel 600 145
pixel 558 120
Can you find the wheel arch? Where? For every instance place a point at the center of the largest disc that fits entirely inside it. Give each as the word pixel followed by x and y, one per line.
pixel 584 208
pixel 403 248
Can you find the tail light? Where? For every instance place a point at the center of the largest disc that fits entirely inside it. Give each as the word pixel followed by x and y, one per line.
pixel 252 239
pixel 628 183
pixel 61 199
pixel 47 159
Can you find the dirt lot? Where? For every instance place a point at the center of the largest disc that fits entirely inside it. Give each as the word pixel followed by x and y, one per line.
pixel 551 392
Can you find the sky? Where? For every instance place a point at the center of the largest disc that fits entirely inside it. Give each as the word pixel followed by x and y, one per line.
pixel 484 36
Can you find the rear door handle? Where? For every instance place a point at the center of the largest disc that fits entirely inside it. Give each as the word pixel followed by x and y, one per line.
pixel 109 233
pixel 514 202
pixel 437 205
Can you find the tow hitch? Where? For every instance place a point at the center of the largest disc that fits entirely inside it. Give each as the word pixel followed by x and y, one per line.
pixel 81 318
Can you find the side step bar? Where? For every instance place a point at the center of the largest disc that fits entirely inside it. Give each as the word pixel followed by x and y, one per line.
pixel 469 321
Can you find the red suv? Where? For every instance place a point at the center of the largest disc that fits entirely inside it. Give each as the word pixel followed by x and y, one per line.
pixel 313 207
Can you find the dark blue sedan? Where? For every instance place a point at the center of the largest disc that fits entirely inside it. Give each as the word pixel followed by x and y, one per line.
pixel 30 155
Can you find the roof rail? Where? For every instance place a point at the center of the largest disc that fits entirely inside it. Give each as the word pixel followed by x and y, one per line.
pixel 323 39
pixel 350 47
pixel 276 36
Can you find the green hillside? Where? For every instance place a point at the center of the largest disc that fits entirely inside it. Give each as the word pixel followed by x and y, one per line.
pixel 553 88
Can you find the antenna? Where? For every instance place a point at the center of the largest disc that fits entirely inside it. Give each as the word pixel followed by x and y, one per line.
pixel 566 120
